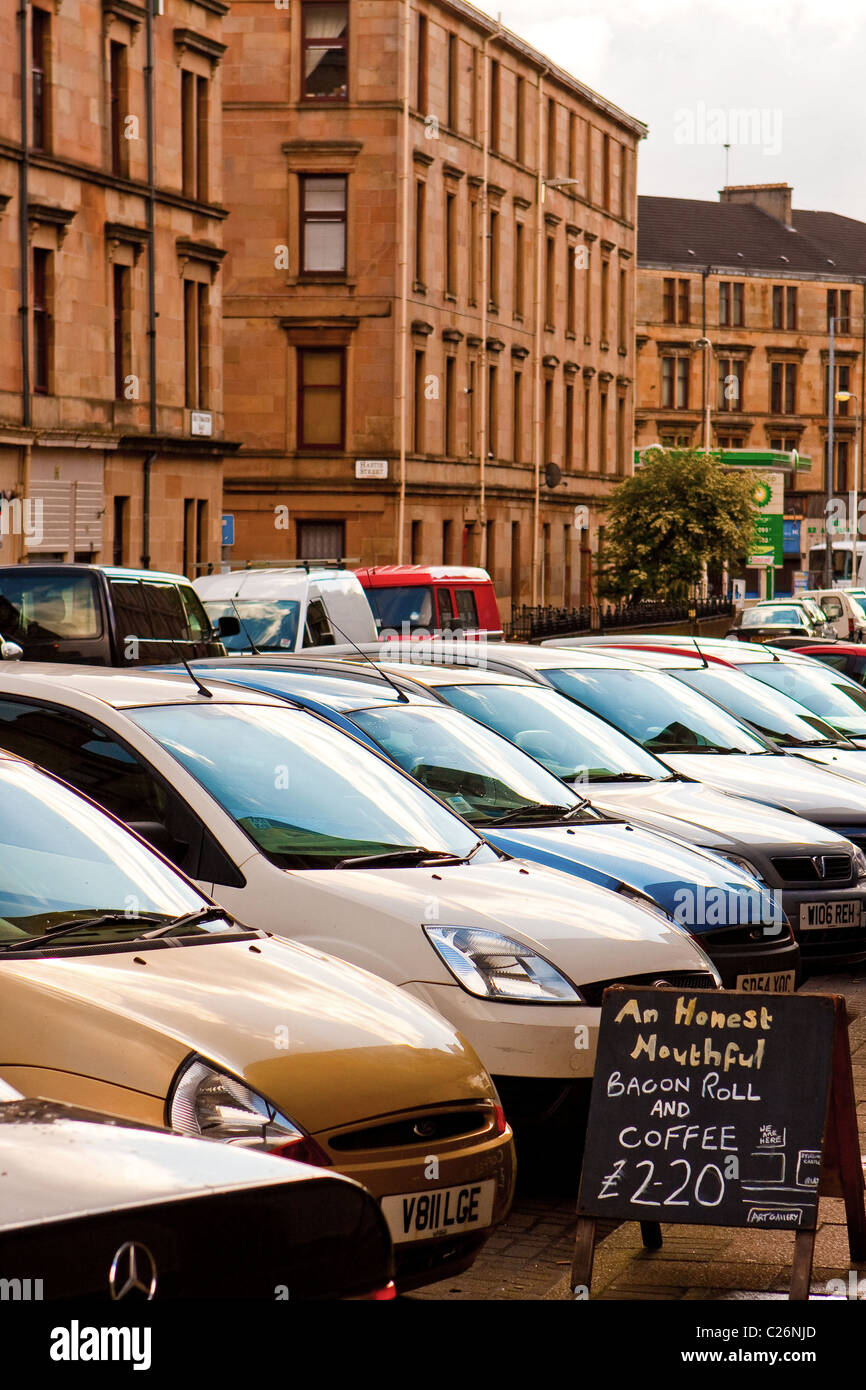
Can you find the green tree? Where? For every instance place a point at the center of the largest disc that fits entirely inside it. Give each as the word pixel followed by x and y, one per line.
pixel 679 511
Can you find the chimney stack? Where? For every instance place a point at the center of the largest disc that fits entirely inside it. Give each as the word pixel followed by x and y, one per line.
pixel 773 198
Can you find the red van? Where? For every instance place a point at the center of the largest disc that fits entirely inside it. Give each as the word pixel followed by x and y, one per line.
pixel 431 601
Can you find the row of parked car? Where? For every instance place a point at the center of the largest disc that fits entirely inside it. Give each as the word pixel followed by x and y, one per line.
pixel 355 909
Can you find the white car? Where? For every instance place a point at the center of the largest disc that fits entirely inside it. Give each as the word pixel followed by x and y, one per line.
pixel 283 610
pixel 301 830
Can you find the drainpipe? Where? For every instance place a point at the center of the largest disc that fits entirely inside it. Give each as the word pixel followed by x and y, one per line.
pixel 536 375
pixel 145 511
pixel 151 288
pixel 858 460
pixel 705 374
pixel 484 406
pixel 404 280
pixel 23 239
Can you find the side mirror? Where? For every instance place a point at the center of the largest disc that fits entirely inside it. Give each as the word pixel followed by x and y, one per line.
pixel 10 651
pixel 229 626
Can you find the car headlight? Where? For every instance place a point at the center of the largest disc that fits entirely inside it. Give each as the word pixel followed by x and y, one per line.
pixel 859 862
pixel 208 1103
pixel 492 966
pixel 745 864
pixel 634 895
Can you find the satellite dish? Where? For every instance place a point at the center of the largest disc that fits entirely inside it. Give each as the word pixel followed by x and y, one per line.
pixel 552 474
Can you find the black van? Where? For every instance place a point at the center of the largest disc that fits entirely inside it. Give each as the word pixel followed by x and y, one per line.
pixel 100 615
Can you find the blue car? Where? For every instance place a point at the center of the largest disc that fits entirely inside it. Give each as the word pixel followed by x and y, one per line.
pixel 524 810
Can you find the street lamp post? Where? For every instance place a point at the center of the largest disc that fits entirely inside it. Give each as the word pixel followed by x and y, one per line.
pixel 846 396
pixel 543 185
pixel 707 347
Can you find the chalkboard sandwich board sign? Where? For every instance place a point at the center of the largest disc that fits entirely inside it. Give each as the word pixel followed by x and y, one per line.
pixel 718 1108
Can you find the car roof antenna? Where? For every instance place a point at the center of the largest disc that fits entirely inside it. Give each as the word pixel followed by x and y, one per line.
pixel 704 662
pixel 256 651
pixel 202 689
pixel 383 675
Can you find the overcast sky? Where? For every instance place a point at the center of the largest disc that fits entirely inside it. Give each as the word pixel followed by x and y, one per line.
pixel 783 81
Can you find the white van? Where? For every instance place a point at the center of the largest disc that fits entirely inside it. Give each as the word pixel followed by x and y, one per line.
pixel 844 608
pixel 284 610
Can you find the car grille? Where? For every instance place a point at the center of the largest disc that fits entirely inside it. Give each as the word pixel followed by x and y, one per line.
pixel 678 979
pixel 805 868
pixel 745 935
pixel 425 1127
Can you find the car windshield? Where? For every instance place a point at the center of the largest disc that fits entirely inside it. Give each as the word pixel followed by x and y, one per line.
pixel 476 772
pixel 306 794
pixel 854 667
pixel 857 608
pixel 403 603
pixel 270 627
pixel 37 607
pixel 773 617
pixel 824 691
pixel 655 710
pixel 62 860
pixel 571 744
pixel 777 717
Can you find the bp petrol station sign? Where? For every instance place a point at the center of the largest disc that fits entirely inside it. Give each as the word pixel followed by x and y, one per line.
pixel 768 545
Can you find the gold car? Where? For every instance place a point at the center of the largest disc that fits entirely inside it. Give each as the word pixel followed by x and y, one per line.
pixel 122 989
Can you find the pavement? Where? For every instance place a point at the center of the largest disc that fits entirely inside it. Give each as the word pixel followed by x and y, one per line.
pixel 529 1256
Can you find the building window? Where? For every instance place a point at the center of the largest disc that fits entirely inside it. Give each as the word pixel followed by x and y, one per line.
pixel 473 251
pixel 419 412
pixel 450 407
pixel 43 319
pixel 421 75
pixel 492 413
pixel 120 531
pixel 620 434
pixel 520 121
pixel 843 383
pixel 121 276
pixel 451 244
pixel 587 161
pixel 587 421
pixel 117 101
pixel 493 113
pixel 551 138
pixel 519 271
pixel 415 543
pixel 675 301
pixel 731 304
pixel 675 383
pixel 40 79
pixel 321 398
pixel 420 235
pixel 195 103
pixel 447 542
pixel 323 224
pixel 683 311
pixel 839 308
pixel 731 378
pixel 321 540
pixel 605 172
pixel 783 443
pixel 517 417
pixel 195 306
pixel 842 465
pixel 785 307
pixel 547 437
pixel 550 282
pixel 602 431
pixel 622 315
pixel 570 291
pixel 572 145
pixel 473 416
pixel 453 81
pixel 493 263
pixel 515 564
pixel 325 47
pixel 669 301
pixel 605 302
pixel 783 388
pixel 568 437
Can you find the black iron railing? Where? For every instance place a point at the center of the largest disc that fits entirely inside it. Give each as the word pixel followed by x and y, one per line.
pixel 529 623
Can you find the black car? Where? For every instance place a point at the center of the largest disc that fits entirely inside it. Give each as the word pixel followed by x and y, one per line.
pixel 779 618
pixel 103 1209
pixel 100 615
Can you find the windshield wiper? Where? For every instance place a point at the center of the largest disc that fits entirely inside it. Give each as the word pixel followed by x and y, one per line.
pixel 619 777
pixel 110 919
pixel 543 811
pixel 408 857
pixel 193 919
